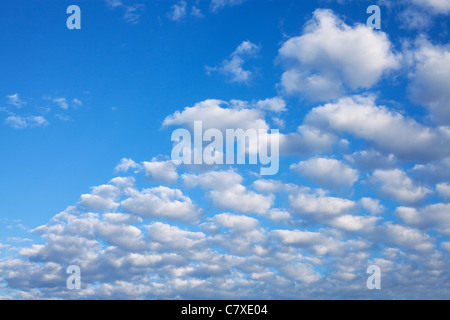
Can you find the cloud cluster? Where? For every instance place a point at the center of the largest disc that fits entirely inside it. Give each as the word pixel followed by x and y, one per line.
pixel 161 231
pixel 233 67
pixel 328 173
pixel 387 130
pixel 24 115
pixel 216 5
pixel 131 13
pixel 319 69
pixel 438 6
pixel 430 80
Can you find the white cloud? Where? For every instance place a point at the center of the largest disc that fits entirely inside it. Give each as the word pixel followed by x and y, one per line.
pixel 446 246
pixel 436 216
pixel 443 190
pixel 161 171
pixel 354 223
pixel 321 69
pixel 102 198
pixel 280 216
pixel 131 13
pixel 240 235
pixel 19 122
pixel 310 240
pixel 318 207
pixel 128 250
pixel 239 223
pixel 15 100
pixel 239 199
pixel 179 10
pixel 430 80
pixel 213 114
pixel 434 171
pixel 61 102
pixel 438 6
pixel 77 102
pixel 387 130
pixel 233 67
pixel 219 4
pixel 301 272
pixel 196 12
pixel 125 165
pixel 121 218
pixel 162 203
pixel 414 18
pixel 124 236
pixel 373 206
pixel 276 104
pixel 335 212
pixel 268 186
pixel 396 184
pixel 228 193
pixel 217 180
pixel 369 160
pixel 328 173
pixel 408 238
pixel 307 140
pixel 174 237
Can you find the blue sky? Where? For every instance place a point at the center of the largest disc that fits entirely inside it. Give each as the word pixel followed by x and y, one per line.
pixel 86 118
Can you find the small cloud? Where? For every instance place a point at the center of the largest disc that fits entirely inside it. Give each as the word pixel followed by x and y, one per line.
pixel 125 165
pixel 18 122
pixel 61 102
pixel 276 104
pixel 131 14
pixel 216 5
pixel 77 102
pixel 196 12
pixel 15 100
pixel 233 66
pixel 63 117
pixel 114 3
pixel 178 11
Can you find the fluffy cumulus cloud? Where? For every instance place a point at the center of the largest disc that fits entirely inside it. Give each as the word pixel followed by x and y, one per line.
pixel 220 115
pixel 152 243
pixel 222 232
pixel 327 172
pixel 319 207
pixel 430 80
pixel 434 216
pixel 320 69
pixel 162 171
pixel 162 203
pixel 388 130
pixel 227 192
pixel 397 185
pixel 443 190
pixel 102 198
pixel 233 67
pixel 438 6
